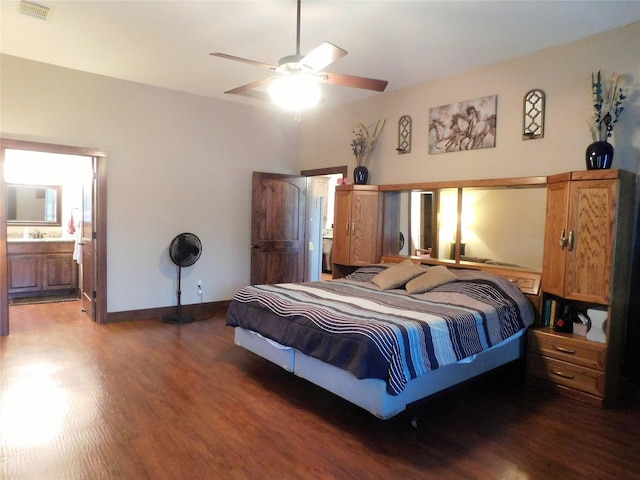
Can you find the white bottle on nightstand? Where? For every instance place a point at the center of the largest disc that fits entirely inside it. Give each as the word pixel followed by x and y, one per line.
pixel 598 330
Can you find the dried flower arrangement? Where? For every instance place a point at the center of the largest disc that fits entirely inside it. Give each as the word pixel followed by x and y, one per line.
pixel 607 106
pixel 364 141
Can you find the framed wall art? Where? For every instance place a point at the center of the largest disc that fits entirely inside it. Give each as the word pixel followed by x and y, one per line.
pixel 468 125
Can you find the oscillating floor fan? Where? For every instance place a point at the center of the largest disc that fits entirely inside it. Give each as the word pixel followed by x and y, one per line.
pixel 184 251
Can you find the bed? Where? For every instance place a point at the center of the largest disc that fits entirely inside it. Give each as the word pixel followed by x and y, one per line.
pixel 385 339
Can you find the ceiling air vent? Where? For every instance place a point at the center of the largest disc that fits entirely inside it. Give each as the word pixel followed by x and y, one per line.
pixel 37 10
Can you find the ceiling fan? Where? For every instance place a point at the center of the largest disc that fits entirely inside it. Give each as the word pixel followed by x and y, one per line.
pixel 302 69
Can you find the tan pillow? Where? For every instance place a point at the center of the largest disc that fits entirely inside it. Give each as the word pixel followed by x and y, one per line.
pixel 397 275
pixel 432 278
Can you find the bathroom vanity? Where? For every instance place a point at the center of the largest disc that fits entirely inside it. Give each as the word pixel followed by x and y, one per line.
pixel 41 267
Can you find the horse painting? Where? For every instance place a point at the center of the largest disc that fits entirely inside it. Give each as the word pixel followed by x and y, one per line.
pixel 463 126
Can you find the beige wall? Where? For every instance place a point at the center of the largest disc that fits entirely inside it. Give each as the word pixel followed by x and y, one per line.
pixel 564 73
pixel 177 162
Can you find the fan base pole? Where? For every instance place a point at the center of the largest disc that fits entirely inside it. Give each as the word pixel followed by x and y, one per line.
pixel 178 319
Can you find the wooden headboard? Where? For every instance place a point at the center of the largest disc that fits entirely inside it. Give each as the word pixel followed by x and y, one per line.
pixel 527 280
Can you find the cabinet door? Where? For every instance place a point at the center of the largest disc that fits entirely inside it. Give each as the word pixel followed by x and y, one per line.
pixel 60 271
pixel 24 273
pixel 555 238
pixel 341 228
pixel 364 228
pixel 592 212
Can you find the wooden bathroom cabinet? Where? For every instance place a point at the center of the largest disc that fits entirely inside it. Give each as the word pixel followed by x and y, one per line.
pixel 40 268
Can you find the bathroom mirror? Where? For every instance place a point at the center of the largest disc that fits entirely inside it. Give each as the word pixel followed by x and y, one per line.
pixel 36 205
pixel 500 225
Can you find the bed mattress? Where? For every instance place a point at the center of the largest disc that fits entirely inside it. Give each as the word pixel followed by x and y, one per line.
pixel 371 394
pixel 388 335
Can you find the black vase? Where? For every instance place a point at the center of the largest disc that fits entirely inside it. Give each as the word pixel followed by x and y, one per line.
pixel 360 175
pixel 599 155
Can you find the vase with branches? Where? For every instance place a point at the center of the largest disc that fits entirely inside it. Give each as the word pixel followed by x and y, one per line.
pixel 607 107
pixel 363 143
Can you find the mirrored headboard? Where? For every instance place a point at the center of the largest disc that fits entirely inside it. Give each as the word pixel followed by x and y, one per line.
pixel 497 222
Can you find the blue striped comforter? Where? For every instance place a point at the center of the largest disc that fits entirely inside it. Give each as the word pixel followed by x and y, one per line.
pixel 389 335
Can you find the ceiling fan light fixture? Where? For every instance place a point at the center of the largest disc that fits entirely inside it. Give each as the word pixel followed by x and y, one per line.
pixel 295 92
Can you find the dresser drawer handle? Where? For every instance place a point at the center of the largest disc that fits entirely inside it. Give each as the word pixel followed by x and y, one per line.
pixel 563 375
pixel 565 350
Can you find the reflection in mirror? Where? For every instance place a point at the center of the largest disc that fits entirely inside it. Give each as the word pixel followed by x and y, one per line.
pixel 33 205
pixel 395 223
pixel 406 248
pixel 503 226
pixel 423 226
pixel 447 223
pixel 426 219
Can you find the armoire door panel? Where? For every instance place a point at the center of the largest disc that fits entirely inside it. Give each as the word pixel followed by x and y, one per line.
pixel 555 243
pixel 364 232
pixel 590 241
pixel 341 228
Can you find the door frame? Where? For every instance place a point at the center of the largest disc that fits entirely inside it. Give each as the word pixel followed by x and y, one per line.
pixel 100 222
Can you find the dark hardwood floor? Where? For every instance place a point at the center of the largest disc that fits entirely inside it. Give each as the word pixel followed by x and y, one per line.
pixel 148 400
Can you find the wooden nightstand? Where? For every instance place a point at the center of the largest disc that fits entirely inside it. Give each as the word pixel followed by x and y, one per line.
pixel 568 364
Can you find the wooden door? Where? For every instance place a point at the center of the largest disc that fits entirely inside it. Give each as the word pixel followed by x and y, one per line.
pixel 88 260
pixel 278 228
pixel 340 251
pixel 592 215
pixel 555 238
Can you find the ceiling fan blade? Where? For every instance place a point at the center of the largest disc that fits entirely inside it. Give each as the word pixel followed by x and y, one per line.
pixel 256 94
pixel 248 89
pixel 353 81
pixel 321 56
pixel 244 60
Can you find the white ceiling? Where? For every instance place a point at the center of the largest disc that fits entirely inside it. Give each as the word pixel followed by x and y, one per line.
pixel 167 43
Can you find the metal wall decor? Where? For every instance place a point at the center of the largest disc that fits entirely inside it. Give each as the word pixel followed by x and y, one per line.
pixel 533 115
pixel 404 134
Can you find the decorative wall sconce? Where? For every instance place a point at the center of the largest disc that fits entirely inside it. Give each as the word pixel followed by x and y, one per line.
pixel 404 135
pixel 533 115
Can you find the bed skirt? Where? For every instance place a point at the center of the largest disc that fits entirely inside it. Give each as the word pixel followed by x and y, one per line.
pixel 371 394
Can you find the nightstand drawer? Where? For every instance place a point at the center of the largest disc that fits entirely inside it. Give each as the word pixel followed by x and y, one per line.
pixel 568 348
pixel 567 374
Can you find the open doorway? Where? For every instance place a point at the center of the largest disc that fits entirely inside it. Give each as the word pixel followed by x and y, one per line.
pixel 283 249
pixel 44 216
pixel 70 186
pixel 322 183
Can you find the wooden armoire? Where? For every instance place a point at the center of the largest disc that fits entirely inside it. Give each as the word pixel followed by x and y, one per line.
pixel 356 228
pixel 586 267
